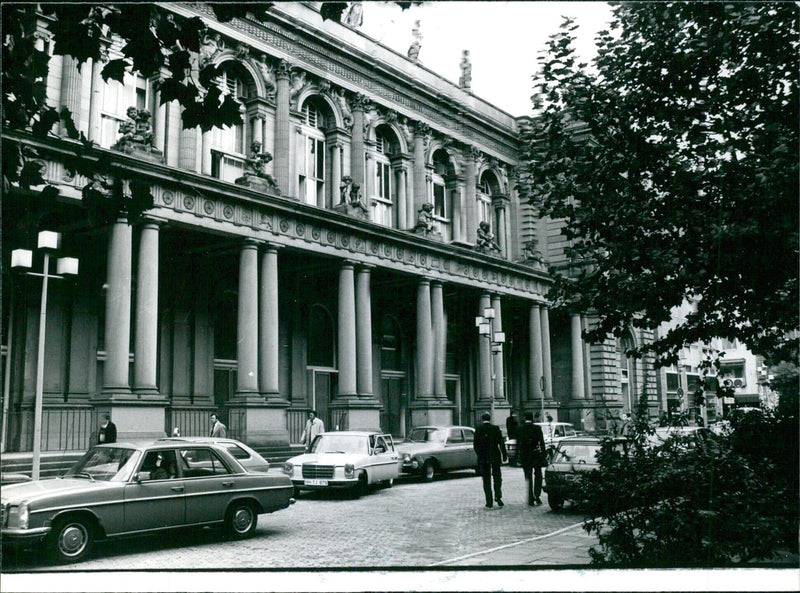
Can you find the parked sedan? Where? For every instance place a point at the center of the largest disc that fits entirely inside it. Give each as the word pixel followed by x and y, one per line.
pixel 250 459
pixel 573 457
pixel 347 459
pixel 429 450
pixel 127 488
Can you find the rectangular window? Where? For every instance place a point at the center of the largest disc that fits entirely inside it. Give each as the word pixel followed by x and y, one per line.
pixel 312 172
pixel 672 382
pixel 439 201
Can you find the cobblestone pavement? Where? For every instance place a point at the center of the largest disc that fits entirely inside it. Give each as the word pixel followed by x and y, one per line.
pixel 413 524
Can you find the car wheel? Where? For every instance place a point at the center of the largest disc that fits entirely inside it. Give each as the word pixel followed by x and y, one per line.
pixel 389 483
pixel 71 540
pixel 241 520
pixel 556 502
pixel 363 484
pixel 429 470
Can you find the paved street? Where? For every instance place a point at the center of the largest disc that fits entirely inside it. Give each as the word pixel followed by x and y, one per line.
pixel 413 524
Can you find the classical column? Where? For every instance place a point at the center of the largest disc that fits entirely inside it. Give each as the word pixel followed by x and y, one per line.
pixel 95 101
pixel 187 148
pixel 411 214
pixel 336 172
pixel 535 359
pixel 547 370
pixel 118 309
pixel 484 355
pixel 364 332
pixel 247 323
pixel 502 237
pixel 420 183
pixel 268 349
pixel 346 338
pixel 282 160
pixel 258 131
pixel 357 172
pixel 70 91
pixel 424 340
pixel 439 337
pixel 458 197
pixel 400 182
pixel 576 345
pixel 205 153
pixel 159 123
pixel 497 358
pixel 469 196
pixel 146 341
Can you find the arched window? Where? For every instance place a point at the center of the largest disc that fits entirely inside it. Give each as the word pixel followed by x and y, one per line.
pixel 390 345
pixel 321 338
pixel 229 143
pixel 384 184
pixel 441 201
pixel 312 168
pixel 484 202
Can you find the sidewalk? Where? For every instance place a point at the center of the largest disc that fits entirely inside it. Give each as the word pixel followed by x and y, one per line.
pixel 569 547
pixel 566 547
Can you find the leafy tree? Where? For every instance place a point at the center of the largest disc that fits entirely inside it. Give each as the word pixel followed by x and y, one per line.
pixel 674 165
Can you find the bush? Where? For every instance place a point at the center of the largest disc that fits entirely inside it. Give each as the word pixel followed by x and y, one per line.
pixel 719 501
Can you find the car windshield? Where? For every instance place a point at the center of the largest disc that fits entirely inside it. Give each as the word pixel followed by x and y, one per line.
pixel 577 453
pixel 105 464
pixel 340 443
pixel 427 435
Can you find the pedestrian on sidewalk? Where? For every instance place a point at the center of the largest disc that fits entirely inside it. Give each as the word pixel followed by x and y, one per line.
pixel 314 426
pixel 532 457
pixel 108 431
pixel 491 451
pixel 218 429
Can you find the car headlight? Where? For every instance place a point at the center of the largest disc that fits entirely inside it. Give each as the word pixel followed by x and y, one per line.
pixel 18 516
pixel 349 470
pixel 406 457
pixel 288 468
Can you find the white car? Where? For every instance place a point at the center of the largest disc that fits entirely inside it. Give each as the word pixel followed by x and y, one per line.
pixel 345 459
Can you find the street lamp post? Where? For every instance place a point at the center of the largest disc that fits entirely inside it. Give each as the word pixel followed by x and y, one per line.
pixel 22 258
pixel 485 327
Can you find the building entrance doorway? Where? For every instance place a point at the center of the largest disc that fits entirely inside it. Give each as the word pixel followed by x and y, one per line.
pixel 392 416
pixel 322 385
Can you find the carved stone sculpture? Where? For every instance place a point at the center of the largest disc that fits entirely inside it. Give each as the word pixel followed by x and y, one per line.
pixel 136 135
pixel 255 176
pixel 350 201
pixel 425 225
pixel 485 242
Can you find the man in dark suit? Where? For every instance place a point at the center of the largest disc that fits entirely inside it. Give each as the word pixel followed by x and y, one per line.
pixel 491 451
pixel 531 455
pixel 108 431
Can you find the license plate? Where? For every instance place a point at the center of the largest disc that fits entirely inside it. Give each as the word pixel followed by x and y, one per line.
pixel 316 482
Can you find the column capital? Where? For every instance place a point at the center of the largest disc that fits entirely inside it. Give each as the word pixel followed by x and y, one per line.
pixel 348 263
pixel 424 280
pixel 268 247
pixel 283 70
pixel 436 282
pixel 365 267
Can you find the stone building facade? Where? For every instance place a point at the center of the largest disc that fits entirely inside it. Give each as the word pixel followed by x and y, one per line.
pixel 341 272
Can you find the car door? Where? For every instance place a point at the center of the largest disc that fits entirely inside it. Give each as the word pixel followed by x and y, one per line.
pixel 210 484
pixel 153 501
pixel 385 460
pixel 453 455
pixel 471 458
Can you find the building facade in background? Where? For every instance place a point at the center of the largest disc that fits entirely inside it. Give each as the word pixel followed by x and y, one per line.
pixel 341 272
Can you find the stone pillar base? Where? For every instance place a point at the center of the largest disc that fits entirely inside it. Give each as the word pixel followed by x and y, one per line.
pixel 258 426
pixel 432 412
pixel 135 420
pixel 361 413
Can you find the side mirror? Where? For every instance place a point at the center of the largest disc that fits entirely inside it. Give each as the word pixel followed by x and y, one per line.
pixel 141 476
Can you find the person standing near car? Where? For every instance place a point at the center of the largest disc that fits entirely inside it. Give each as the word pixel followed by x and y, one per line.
pixel 491 451
pixel 218 429
pixel 314 426
pixel 532 458
pixel 108 431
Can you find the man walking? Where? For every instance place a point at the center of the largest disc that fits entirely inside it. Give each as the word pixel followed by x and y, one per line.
pixel 491 451
pixel 531 451
pixel 314 426
pixel 218 429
